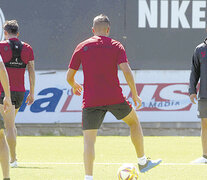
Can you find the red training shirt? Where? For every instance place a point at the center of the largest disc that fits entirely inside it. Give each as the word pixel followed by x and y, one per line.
pixel 100 57
pixel 16 76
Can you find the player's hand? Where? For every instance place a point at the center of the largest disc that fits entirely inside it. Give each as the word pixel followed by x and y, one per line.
pixel 137 101
pixel 77 89
pixel 30 99
pixel 7 104
pixel 193 97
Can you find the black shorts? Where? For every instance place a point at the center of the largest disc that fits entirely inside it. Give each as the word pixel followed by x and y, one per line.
pixel 1 122
pixel 202 108
pixel 16 98
pixel 93 117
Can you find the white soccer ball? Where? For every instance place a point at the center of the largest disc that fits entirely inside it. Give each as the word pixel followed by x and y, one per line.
pixel 127 171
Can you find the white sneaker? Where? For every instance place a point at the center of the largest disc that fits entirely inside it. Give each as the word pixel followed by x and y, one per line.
pixel 13 164
pixel 200 160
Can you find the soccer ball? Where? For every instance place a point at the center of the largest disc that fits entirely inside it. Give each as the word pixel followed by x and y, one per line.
pixel 127 171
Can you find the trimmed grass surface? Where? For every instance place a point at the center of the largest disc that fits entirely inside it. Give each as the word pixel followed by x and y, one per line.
pixel 43 158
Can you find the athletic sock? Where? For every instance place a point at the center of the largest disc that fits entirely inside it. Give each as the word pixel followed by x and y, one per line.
pixel 142 160
pixel 6 179
pixel 205 156
pixel 88 177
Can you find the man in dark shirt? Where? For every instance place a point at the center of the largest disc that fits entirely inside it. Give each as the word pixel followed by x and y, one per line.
pixel 199 71
pixel 100 57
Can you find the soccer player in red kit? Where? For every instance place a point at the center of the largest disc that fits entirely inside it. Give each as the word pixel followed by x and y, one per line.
pixel 100 57
pixel 16 55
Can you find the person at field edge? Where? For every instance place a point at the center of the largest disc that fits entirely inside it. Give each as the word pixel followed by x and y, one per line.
pixel 16 55
pixel 199 71
pixel 100 57
pixel 4 149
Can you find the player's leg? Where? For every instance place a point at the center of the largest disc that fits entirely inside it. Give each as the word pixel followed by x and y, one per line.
pixel 91 122
pixel 89 152
pixel 4 155
pixel 136 132
pixel 137 138
pixel 16 111
pixel 203 159
pixel 9 120
pixel 17 99
pixel 202 113
pixel 204 136
pixel 13 163
pixel 125 112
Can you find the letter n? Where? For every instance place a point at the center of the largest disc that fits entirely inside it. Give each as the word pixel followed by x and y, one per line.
pixel 147 14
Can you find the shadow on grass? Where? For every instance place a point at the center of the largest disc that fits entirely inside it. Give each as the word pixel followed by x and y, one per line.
pixel 30 167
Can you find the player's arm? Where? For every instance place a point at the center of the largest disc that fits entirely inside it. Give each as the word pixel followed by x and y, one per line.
pixel 5 83
pixel 72 70
pixel 130 81
pixel 194 77
pixel 77 88
pixel 31 71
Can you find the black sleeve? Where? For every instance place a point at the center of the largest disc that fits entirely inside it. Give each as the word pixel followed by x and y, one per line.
pixel 195 73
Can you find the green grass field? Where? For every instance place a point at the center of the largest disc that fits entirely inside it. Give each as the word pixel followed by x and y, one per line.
pixel 60 158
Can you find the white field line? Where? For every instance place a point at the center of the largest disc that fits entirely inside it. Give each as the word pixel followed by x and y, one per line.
pixel 80 163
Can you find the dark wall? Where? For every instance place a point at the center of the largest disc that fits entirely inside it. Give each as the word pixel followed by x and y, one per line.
pixel 162 48
pixel 54 28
